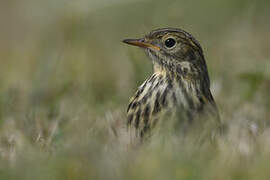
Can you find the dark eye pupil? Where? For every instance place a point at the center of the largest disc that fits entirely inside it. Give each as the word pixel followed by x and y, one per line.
pixel 169 42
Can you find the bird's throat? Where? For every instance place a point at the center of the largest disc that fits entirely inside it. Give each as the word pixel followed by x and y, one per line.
pixel 158 68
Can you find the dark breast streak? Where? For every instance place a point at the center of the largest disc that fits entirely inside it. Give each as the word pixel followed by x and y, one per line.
pixel 156 96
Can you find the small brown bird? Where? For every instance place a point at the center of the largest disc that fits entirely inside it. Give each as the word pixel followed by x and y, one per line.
pixel 179 84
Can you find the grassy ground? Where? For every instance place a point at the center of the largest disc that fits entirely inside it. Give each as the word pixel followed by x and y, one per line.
pixel 65 80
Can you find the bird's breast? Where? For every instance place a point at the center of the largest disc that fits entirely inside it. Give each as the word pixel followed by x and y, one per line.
pixel 159 94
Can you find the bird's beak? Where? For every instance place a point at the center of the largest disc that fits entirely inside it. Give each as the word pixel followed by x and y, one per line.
pixel 141 43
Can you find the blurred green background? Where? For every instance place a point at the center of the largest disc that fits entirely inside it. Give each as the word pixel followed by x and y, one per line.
pixel 66 78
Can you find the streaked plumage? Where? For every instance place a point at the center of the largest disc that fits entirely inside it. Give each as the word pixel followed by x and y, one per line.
pixel 179 83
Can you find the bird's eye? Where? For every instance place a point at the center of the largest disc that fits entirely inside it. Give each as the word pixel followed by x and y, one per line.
pixel 170 42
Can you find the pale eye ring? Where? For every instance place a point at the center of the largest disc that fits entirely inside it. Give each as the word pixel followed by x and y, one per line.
pixel 170 43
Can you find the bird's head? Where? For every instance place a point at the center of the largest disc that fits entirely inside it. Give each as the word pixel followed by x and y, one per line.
pixel 170 46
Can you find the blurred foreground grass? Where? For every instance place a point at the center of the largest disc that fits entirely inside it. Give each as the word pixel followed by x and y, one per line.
pixel 65 80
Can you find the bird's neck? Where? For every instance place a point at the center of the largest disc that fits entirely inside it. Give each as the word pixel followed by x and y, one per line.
pixel 160 69
pixel 168 69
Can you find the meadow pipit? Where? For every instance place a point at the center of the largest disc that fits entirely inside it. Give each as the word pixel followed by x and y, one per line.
pixel 180 81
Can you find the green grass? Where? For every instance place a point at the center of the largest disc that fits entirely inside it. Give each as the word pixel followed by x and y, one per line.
pixel 66 78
